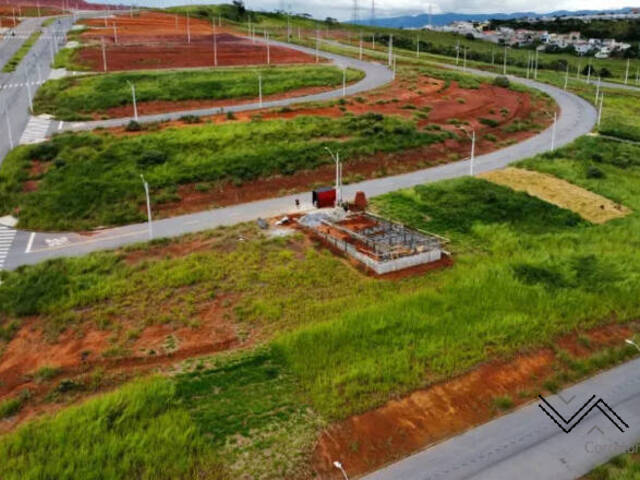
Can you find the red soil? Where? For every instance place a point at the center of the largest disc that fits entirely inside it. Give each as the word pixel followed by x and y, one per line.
pixel 160 106
pixel 81 348
pixel 424 92
pixel 7 21
pixel 403 426
pixel 154 40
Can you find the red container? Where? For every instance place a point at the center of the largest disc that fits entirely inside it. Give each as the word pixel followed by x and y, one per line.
pixel 324 197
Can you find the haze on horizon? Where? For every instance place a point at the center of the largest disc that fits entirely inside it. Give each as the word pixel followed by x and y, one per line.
pixel 342 9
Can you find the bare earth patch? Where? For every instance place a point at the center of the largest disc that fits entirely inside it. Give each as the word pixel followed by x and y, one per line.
pixel 590 206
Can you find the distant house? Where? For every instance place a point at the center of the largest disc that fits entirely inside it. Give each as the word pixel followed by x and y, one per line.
pixel 582 48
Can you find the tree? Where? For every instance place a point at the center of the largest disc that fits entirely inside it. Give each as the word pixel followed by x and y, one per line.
pixel 240 9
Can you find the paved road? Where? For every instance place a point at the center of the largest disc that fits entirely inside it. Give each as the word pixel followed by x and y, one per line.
pixel 577 118
pixel 9 44
pixel 17 87
pixel 376 76
pixel 527 444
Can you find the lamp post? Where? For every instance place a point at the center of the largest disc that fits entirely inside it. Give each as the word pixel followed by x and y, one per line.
pixel 336 158
pixel 146 191
pixel 600 108
pixel 6 114
pixel 504 66
pixel 390 62
pixel 260 88
pixel 631 342
pixel 135 105
pixel 338 465
pixel 566 79
pixel 472 136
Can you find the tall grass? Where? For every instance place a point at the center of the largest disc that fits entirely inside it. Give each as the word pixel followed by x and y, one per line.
pixel 138 431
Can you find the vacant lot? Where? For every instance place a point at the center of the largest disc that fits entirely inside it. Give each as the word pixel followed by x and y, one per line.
pixel 87 97
pixel 80 181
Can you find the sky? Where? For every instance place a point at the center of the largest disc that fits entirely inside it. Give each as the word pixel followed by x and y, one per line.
pixel 343 9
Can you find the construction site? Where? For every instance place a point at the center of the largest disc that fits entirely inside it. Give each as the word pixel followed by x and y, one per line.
pixel 380 245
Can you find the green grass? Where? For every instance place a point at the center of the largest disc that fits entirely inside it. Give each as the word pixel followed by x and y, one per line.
pixel 244 409
pixel 76 98
pixel 14 61
pixel 525 273
pixel 621 467
pixel 139 431
pixel 93 179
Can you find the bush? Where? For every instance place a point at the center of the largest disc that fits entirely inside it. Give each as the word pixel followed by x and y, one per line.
pixel 594 172
pixel 152 157
pixel 502 81
pixel 489 121
pixel 133 126
pixel 191 119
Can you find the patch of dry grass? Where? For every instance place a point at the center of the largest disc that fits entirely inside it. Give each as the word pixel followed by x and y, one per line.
pixel 590 206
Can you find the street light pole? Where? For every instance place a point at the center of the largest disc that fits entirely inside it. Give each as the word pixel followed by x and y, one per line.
pixel 344 82
pixel 390 50
pixel 566 79
pixel 104 56
pixel 473 151
pixel 26 78
pixel 215 46
pixel 336 158
pixel 260 88
pixel 504 67
pixel 338 465
pixel 146 191
pixel 600 109
pixel 135 105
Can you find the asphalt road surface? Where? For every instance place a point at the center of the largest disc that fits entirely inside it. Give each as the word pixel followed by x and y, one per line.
pixel 528 445
pixel 18 87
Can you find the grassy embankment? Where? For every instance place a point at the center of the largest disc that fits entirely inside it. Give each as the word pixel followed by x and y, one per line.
pixel 77 98
pixel 526 272
pixel 14 61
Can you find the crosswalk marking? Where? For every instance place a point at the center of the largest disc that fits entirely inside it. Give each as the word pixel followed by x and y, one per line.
pixel 20 85
pixel 7 235
pixel 36 130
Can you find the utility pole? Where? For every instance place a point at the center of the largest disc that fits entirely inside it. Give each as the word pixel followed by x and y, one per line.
pixel 344 82
pixel 473 151
pixel 418 46
pixel 373 41
pixel 115 33
pixel 457 52
pixel 528 64
pixel 566 79
pixel 504 67
pixel 146 191
pixel 360 55
pixel 135 105
pixel 104 56
pixel 600 109
pixel 464 63
pixel 535 73
pixel 188 29
pixel 589 72
pixel 597 89
pixel 317 46
pixel 260 88
pixel 390 50
pixel 626 74
pixel 268 50
pixel 215 46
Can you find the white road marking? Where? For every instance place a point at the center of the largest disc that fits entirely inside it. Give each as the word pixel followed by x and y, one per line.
pixel 30 244
pixel 7 235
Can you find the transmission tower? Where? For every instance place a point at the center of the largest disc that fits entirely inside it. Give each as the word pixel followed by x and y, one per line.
pixel 373 12
pixel 355 11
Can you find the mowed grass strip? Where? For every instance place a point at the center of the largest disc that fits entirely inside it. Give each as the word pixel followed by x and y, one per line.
pixel 14 61
pixel 76 98
pixel 590 206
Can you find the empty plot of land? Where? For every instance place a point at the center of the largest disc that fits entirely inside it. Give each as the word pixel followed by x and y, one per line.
pixel 590 206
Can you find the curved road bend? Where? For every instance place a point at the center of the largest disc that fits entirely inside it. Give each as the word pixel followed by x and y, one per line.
pixel 376 75
pixel 577 118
